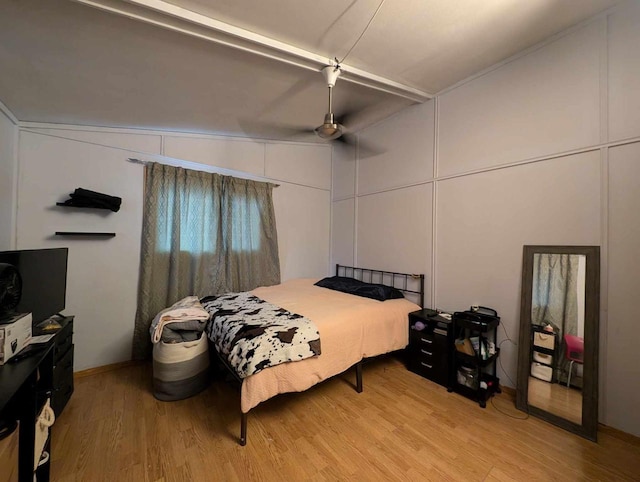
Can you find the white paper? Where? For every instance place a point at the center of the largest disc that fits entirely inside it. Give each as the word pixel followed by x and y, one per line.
pixel 35 340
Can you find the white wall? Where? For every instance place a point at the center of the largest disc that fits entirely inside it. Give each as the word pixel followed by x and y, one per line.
pixel 525 153
pixel 622 373
pixel 8 133
pixel 103 273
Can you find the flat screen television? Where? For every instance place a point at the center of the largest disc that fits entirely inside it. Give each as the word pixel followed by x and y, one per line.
pixel 44 280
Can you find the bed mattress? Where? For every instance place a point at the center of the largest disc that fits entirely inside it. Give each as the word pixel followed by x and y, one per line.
pixel 351 328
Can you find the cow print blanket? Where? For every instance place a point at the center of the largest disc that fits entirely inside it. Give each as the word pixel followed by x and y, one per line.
pixel 253 334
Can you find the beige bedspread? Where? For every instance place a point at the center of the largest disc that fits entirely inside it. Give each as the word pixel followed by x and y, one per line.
pixel 351 327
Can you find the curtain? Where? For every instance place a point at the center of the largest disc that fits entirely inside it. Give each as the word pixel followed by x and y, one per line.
pixel 555 289
pixel 202 234
pixel 555 298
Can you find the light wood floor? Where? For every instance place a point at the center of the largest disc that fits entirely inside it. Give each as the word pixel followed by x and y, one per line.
pixel 556 398
pixel 402 427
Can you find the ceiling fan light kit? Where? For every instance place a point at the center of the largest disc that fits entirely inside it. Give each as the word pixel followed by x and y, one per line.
pixel 329 130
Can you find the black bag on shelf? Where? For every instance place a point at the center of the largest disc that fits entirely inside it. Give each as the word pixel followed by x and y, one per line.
pixel 477 317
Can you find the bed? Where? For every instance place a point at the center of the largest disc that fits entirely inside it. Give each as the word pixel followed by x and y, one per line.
pixel 351 328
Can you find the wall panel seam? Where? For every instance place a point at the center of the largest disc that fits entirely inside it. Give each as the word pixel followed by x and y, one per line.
pixel 434 201
pixel 355 201
pixel 159 132
pixel 330 217
pixel 8 114
pixel 604 81
pixel 631 140
pixel 397 188
pixel 604 277
pixel 148 154
pixel 16 185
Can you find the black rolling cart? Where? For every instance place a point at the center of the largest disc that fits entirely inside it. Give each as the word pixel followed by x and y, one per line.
pixel 476 353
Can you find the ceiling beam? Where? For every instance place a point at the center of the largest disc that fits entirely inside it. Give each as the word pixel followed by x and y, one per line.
pixel 172 17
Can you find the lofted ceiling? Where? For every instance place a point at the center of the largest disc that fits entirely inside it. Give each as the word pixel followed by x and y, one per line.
pixel 165 65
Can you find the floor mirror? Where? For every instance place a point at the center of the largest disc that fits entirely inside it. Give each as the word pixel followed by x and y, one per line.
pixel 558 342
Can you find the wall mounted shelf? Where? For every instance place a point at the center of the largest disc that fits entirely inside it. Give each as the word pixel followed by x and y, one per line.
pixel 81 207
pixel 86 234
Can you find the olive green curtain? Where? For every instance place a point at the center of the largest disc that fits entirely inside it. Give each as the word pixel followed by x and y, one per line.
pixel 555 291
pixel 202 234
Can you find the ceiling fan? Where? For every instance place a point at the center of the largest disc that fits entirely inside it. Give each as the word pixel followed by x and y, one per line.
pixel 333 128
pixel 330 129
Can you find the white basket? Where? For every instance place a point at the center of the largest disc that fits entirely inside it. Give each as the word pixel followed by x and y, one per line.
pixel 541 372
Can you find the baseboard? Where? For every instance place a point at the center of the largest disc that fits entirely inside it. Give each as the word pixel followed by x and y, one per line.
pixel 508 391
pixel 619 434
pixel 105 368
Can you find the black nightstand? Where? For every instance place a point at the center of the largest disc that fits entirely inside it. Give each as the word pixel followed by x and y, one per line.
pixel 430 350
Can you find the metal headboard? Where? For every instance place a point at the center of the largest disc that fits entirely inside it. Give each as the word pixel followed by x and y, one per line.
pixel 387 278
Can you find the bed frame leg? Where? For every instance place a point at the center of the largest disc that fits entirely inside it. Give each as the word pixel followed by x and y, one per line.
pixel 359 377
pixel 243 429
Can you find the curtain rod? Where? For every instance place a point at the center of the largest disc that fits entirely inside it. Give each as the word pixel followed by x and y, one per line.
pixel 144 163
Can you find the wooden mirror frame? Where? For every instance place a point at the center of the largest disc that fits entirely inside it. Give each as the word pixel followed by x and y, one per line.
pixel 589 426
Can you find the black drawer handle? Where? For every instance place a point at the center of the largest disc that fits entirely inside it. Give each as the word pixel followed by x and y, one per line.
pixel 426 352
pixel 426 340
pixel 426 365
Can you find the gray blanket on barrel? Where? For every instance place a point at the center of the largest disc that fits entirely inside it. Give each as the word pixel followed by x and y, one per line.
pixel 253 334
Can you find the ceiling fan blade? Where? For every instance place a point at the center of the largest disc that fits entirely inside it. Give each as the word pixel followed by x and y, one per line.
pixel 274 130
pixel 348 139
pixel 295 89
pixel 346 118
pixel 365 149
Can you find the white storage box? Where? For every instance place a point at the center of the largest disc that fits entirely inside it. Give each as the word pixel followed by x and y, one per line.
pixel 542 358
pixel 15 334
pixel 541 372
pixel 544 339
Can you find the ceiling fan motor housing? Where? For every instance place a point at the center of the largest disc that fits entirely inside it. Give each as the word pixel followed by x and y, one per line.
pixel 331 74
pixel 329 129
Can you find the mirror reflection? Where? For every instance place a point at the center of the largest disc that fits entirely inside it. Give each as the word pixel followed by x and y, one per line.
pixel 557 334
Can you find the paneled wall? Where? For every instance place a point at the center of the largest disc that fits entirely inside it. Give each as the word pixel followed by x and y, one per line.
pixel 543 149
pixel 8 172
pixel 103 274
pixel 622 370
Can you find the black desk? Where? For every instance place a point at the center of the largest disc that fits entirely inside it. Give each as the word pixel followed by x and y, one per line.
pixel 24 387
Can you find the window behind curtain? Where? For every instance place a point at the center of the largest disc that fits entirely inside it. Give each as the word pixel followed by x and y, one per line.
pixel 203 234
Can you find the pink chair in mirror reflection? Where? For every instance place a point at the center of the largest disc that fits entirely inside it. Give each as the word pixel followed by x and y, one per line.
pixel 574 352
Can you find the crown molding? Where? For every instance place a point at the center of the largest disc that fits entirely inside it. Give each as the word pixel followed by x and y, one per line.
pixel 5 110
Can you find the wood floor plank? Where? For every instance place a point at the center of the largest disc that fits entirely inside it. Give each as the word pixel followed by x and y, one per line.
pixel 402 427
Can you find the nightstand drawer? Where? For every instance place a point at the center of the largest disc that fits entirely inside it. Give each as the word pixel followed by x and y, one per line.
pixel 437 356
pixel 63 340
pixel 429 340
pixel 63 369
pixel 429 367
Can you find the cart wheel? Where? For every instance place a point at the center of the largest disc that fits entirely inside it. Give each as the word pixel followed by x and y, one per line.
pixel 483 404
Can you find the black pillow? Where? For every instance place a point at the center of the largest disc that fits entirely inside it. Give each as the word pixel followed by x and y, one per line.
pixel 356 287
